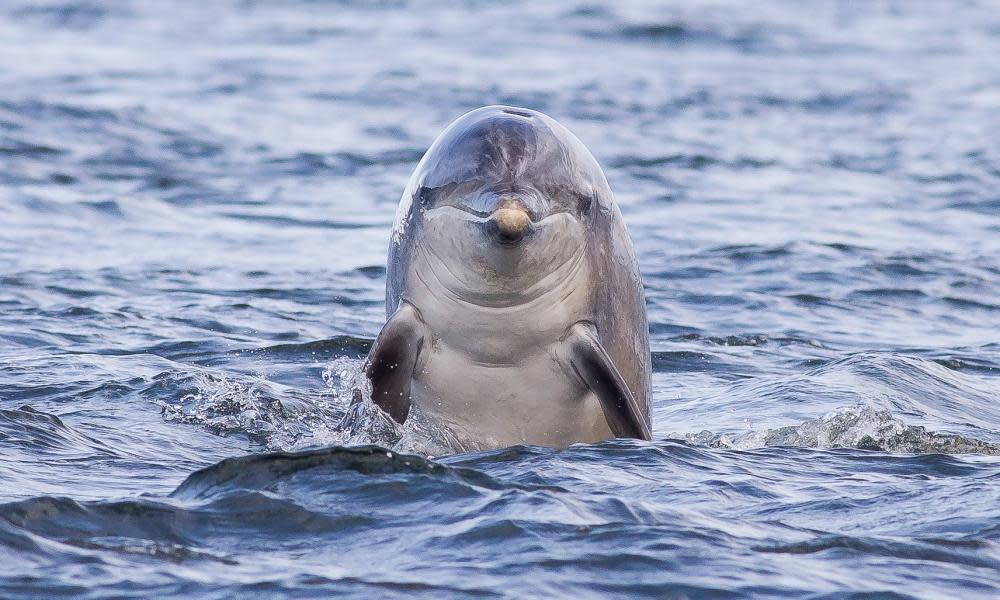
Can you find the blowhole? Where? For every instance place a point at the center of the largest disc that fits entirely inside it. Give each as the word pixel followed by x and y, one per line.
pixel 517 112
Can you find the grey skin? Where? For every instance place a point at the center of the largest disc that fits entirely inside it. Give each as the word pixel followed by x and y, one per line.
pixel 514 303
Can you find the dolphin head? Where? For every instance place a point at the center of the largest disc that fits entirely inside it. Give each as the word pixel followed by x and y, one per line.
pixel 504 203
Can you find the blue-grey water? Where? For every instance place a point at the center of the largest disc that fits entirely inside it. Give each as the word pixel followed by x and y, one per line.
pixel 195 203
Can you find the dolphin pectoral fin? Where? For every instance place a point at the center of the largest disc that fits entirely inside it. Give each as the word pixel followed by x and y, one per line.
pixel 583 354
pixel 392 360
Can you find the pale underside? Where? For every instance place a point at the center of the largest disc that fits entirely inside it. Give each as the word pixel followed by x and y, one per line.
pixel 491 374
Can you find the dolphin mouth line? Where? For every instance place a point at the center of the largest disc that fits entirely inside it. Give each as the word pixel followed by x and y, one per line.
pixel 477 216
pixel 481 216
pixel 486 224
pixel 508 227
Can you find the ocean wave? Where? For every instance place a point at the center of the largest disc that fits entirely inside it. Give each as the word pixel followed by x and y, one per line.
pixel 900 401
pixel 36 432
pixel 676 511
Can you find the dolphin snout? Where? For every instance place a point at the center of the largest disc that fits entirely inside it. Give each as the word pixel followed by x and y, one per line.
pixel 510 221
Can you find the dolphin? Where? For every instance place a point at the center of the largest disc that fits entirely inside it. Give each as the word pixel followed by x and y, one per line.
pixel 515 308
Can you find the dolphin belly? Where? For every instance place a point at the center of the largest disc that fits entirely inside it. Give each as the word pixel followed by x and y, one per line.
pixel 532 401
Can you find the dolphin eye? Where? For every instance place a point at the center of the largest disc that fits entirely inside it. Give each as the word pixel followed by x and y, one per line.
pixel 424 195
pixel 584 202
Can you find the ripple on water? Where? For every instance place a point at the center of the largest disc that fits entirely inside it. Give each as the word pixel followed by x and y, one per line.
pixel 194 209
pixel 526 506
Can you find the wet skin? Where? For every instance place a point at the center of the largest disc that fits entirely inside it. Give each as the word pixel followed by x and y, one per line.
pixel 514 303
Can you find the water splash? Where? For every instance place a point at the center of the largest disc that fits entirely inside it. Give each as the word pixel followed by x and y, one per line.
pixel 269 414
pixel 282 419
pixel 863 427
pixel 278 418
pixel 365 423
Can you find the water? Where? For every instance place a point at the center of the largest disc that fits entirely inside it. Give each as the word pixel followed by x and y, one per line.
pixel 195 202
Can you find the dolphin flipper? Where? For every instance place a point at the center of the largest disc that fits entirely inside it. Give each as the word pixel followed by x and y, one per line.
pixel 583 355
pixel 392 360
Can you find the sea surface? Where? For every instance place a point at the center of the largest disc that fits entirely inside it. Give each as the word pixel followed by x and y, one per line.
pixel 195 205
